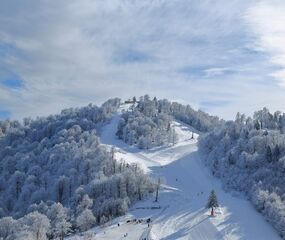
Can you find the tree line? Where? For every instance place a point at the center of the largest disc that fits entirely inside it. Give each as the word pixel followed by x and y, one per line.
pixel 248 155
pixel 148 122
pixel 56 177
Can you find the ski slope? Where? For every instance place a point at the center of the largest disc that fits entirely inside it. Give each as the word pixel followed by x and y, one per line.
pixel 180 212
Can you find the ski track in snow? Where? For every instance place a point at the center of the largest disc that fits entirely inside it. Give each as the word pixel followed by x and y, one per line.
pixel 182 213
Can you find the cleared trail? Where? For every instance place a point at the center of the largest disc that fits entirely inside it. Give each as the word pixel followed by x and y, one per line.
pixel 182 200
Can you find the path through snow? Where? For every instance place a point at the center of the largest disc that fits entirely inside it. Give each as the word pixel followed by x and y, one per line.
pixel 182 213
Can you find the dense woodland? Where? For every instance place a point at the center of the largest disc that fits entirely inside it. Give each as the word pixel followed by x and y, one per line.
pixel 56 177
pixel 248 154
pixel 148 123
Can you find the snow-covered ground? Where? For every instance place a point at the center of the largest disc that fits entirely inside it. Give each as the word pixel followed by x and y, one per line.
pixel 180 212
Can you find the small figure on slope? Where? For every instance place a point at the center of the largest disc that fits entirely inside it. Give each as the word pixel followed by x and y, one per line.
pixel 212 202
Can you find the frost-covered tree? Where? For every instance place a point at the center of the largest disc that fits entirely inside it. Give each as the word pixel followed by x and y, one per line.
pixel 60 222
pixel 36 225
pixel 85 220
pixel 248 155
pixel 49 166
pixel 149 123
pixel 86 203
pixel 8 227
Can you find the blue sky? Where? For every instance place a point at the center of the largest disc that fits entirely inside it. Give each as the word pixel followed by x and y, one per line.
pixel 219 56
pixel 4 114
pixel 10 80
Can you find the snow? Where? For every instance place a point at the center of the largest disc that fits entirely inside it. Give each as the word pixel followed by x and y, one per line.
pixel 180 212
pixel 114 232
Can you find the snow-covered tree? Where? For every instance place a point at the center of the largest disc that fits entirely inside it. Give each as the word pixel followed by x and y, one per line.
pixel 8 227
pixel 148 124
pixel 248 155
pixel 51 165
pixel 36 225
pixel 85 220
pixel 86 203
pixel 60 223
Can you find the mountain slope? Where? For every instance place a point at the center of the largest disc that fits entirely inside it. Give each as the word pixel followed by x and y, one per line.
pixel 54 169
pixel 180 212
pixel 248 155
pixel 147 123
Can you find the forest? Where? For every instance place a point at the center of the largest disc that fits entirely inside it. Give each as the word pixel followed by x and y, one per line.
pixel 148 123
pixel 56 177
pixel 248 155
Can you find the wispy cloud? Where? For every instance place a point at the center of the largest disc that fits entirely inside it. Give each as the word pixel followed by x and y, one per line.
pixel 267 19
pixel 125 56
pixel 206 105
pixel 70 53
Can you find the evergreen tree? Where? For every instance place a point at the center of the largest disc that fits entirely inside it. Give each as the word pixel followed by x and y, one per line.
pixel 269 154
pixel 212 202
pixel 276 153
pixel 257 125
pixel 231 159
pixel 157 189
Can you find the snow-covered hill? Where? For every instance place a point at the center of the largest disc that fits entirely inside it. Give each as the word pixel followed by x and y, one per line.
pixel 180 212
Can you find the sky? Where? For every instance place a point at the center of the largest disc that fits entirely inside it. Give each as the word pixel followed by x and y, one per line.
pixel 219 56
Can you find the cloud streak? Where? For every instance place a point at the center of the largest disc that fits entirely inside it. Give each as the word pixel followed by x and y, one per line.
pixel 70 53
pixel 267 20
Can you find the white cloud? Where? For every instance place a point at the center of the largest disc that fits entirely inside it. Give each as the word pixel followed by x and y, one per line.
pixel 267 19
pixel 70 53
pixel 215 71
